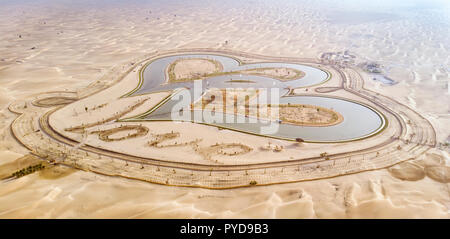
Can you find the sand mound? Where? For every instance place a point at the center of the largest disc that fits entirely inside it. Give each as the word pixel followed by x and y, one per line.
pixel 311 115
pixel 439 173
pixel 407 171
pixel 431 160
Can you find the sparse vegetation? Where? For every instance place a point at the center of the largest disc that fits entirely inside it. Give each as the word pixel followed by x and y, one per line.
pixel 105 134
pixel 117 115
pixel 28 170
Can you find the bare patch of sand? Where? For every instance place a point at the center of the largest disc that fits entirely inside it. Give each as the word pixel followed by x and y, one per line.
pixel 191 69
pixel 56 172
pixel 7 169
pixel 407 171
pixel 310 115
pixel 439 173
pixel 431 159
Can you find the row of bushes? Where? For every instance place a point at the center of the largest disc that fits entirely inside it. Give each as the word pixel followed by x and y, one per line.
pixel 28 170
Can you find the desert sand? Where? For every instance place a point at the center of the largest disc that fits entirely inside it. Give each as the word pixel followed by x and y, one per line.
pixel 64 47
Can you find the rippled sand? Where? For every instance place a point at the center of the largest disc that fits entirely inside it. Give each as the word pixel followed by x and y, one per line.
pixel 57 46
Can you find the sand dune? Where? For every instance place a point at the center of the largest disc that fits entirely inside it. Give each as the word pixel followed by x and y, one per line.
pixel 366 195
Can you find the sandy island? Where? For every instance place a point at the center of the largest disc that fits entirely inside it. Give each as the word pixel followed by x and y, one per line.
pixel 242 102
pixel 190 69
